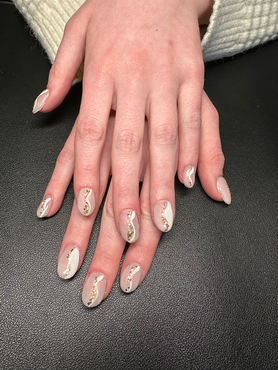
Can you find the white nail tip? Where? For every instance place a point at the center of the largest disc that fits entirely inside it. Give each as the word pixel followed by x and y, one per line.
pixel 44 207
pixel 93 290
pixel 86 201
pixel 224 190
pixel 68 262
pixel 189 176
pixel 130 278
pixel 40 101
pixel 163 216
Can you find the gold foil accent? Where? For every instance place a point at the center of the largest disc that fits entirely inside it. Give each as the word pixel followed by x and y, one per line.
pixel 67 270
pixel 130 232
pixel 166 224
pixel 94 293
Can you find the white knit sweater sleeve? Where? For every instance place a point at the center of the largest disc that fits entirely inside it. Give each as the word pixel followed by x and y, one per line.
pixel 47 19
pixel 235 25
pixel 238 25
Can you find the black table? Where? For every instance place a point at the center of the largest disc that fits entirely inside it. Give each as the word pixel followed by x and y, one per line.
pixel 210 298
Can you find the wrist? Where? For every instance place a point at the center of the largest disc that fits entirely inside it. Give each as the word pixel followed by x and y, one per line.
pixel 205 11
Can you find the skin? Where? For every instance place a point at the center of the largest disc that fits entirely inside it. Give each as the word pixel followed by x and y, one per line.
pixel 139 63
pixel 110 244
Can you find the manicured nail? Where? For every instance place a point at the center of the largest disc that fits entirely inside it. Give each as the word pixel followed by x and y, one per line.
pixel 163 215
pixel 189 176
pixel 68 262
pixel 93 290
pixel 129 225
pixel 39 102
pixel 86 201
pixel 224 190
pixel 130 278
pixel 44 207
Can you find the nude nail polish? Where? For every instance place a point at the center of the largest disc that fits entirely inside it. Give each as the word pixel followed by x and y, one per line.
pixel 129 225
pixel 189 176
pixel 44 207
pixel 93 290
pixel 163 215
pixel 40 101
pixel 224 190
pixel 86 201
pixel 130 278
pixel 68 262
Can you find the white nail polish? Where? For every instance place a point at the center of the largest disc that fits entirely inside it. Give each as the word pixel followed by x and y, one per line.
pixel 130 278
pixel 86 201
pixel 93 290
pixel 163 215
pixel 224 190
pixel 44 207
pixel 40 101
pixel 129 225
pixel 68 262
pixel 189 176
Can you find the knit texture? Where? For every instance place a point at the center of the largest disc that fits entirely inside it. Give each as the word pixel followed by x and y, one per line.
pixel 238 25
pixel 47 19
pixel 235 25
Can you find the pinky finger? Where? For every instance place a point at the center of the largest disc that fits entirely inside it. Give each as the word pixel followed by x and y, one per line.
pixel 211 158
pixel 59 182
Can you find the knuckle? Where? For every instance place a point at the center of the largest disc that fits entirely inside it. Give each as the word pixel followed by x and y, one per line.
pixel 90 131
pixel 193 121
pixel 164 135
pixel 215 158
pixel 196 70
pixel 65 157
pixel 128 142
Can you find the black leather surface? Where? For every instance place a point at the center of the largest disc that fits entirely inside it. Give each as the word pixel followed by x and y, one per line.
pixel 210 298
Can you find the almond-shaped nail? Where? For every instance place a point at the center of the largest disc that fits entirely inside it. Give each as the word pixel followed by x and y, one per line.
pixel 130 278
pixel 86 201
pixel 44 207
pixel 68 262
pixel 224 190
pixel 40 101
pixel 93 290
pixel 129 225
pixel 163 215
pixel 189 176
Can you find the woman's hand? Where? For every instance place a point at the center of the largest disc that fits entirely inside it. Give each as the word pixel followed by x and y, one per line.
pixel 142 59
pixel 105 264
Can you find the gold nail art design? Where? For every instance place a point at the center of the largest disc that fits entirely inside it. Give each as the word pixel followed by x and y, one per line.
pixel 132 272
pixel 166 224
pixel 87 204
pixel 67 270
pixel 94 293
pixel 130 232
pixel 44 207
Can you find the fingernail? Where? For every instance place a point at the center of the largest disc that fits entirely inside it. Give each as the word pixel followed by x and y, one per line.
pixel 86 201
pixel 129 225
pixel 163 215
pixel 130 278
pixel 93 290
pixel 44 207
pixel 39 102
pixel 189 176
pixel 224 190
pixel 68 262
